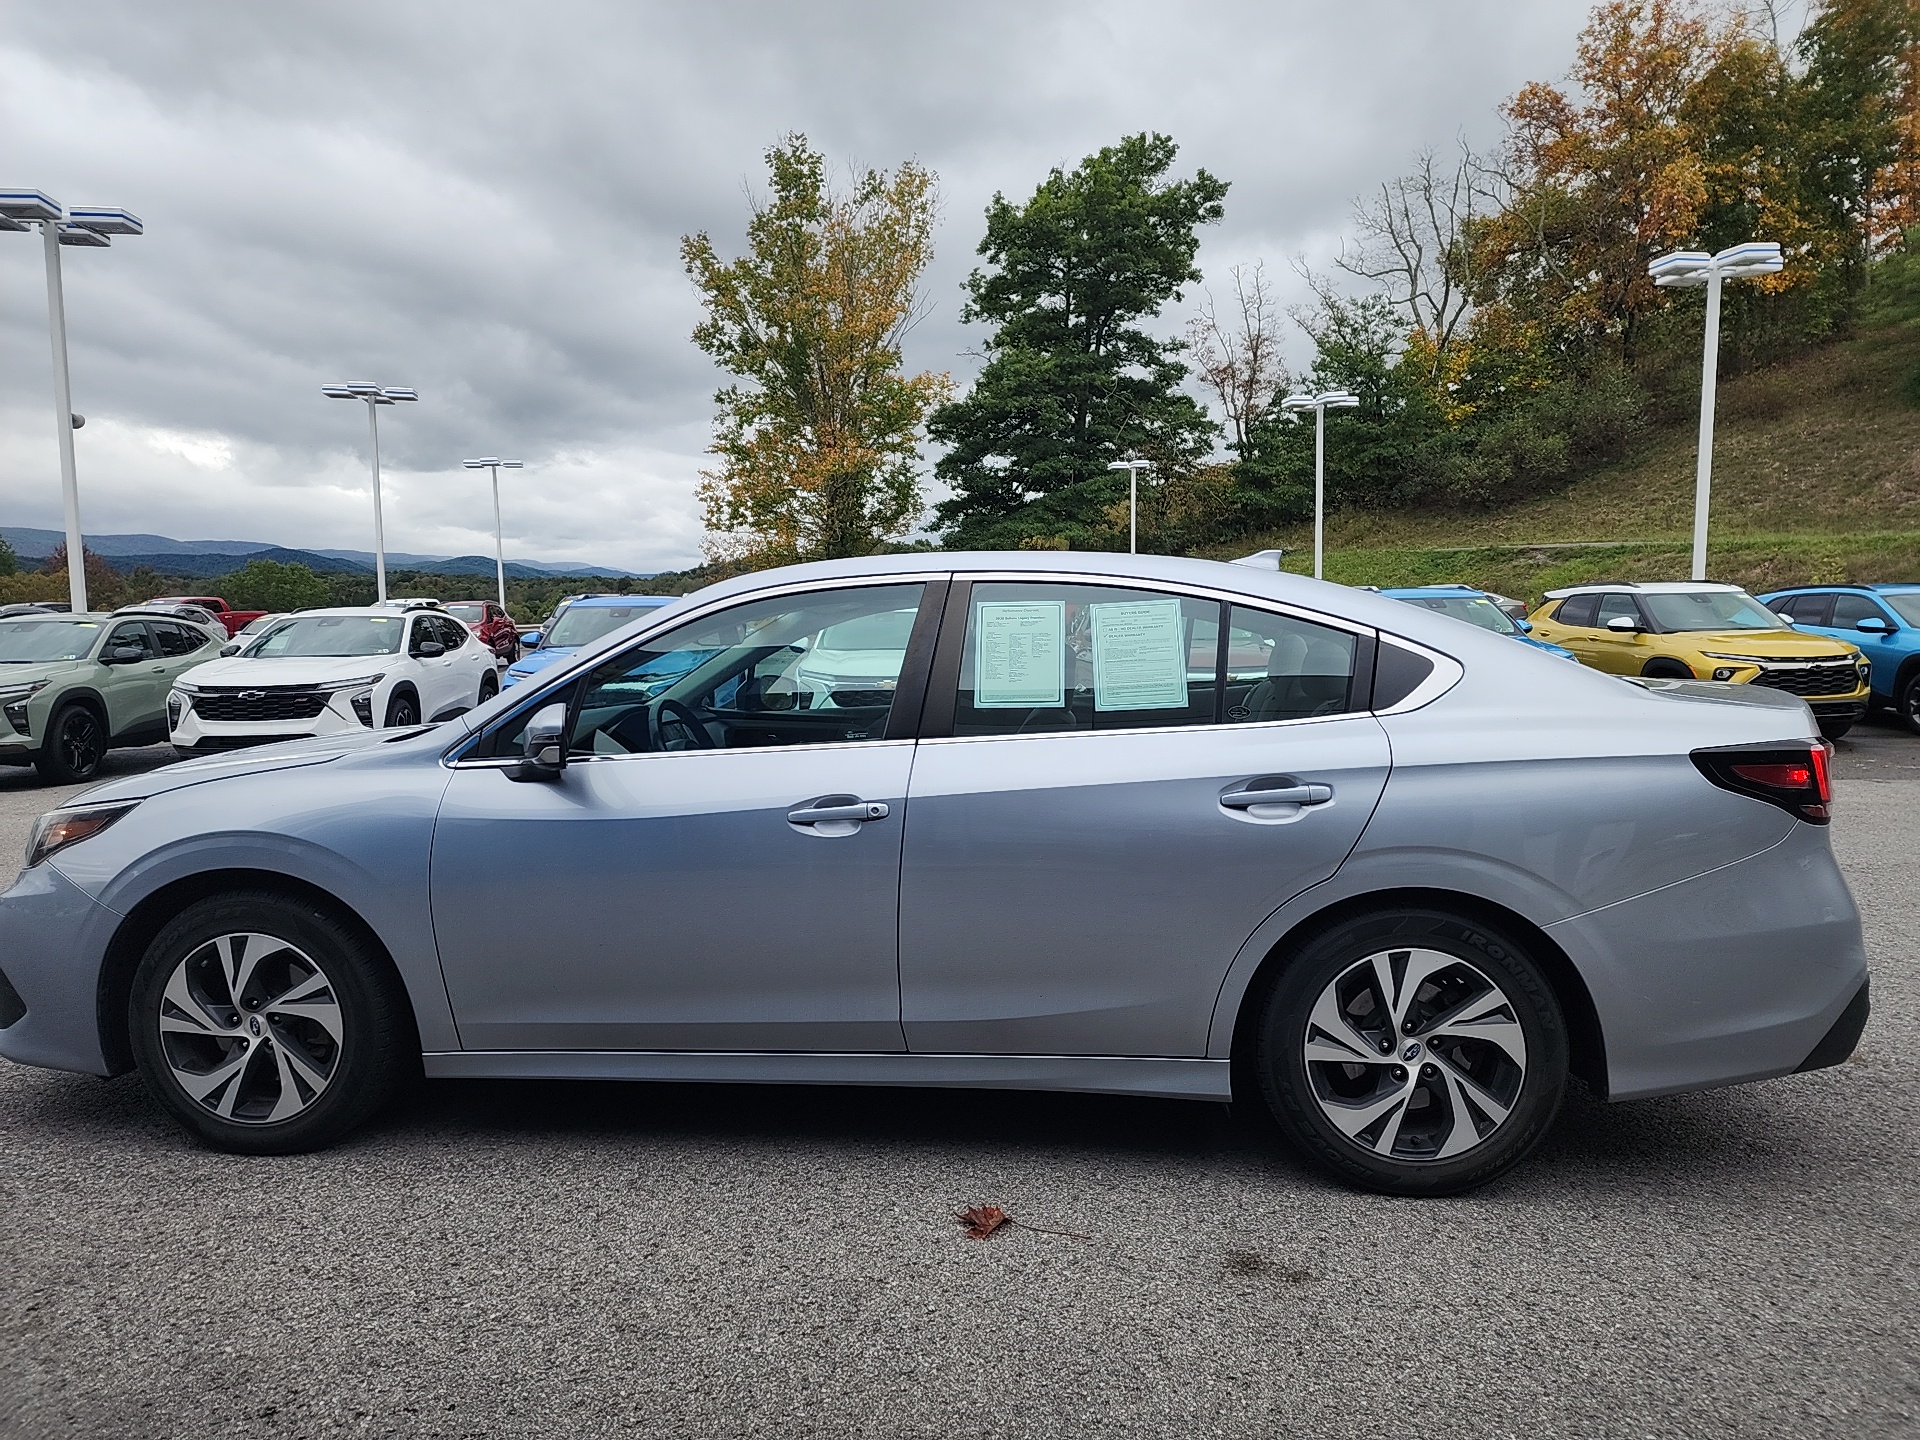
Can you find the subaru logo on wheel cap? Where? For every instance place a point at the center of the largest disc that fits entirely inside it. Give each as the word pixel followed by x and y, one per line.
pixel 1412 1052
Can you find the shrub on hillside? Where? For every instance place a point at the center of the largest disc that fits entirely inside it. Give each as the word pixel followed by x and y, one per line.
pixel 269 585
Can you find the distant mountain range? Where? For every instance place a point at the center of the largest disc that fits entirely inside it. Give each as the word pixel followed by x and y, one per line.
pixel 206 559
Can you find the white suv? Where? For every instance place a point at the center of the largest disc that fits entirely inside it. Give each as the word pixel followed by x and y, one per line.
pixel 319 672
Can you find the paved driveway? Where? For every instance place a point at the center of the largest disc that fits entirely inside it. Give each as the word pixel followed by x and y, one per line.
pixel 558 1259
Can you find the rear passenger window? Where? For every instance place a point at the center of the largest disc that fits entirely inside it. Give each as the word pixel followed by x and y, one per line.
pixel 176 639
pixel 1282 668
pixel 1042 659
pixel 1577 610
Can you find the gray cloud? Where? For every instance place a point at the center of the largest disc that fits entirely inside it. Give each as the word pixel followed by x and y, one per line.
pixel 485 201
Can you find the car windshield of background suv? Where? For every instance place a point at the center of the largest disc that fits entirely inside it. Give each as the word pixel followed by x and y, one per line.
pixel 1712 610
pixel 1474 609
pixel 583 624
pixel 1906 606
pixel 317 636
pixel 34 642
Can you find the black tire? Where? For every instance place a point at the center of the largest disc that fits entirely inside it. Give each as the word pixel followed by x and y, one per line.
pixel 1294 1087
pixel 1907 705
pixel 362 1068
pixel 75 744
pixel 489 687
pixel 403 711
pixel 1662 668
pixel 1834 729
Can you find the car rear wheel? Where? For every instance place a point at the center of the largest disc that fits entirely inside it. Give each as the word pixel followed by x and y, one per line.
pixel 402 711
pixel 1413 1052
pixel 1909 704
pixel 265 1025
pixel 76 742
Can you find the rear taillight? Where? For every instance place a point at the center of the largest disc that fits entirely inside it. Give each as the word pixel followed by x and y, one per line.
pixel 1794 778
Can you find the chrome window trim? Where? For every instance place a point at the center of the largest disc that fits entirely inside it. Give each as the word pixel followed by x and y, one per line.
pixel 451 757
pixel 1188 588
pixel 1206 726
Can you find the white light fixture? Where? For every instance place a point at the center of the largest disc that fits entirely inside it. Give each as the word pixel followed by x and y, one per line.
pixel 88 229
pixel 1320 404
pixel 1133 469
pixel 496 465
pixel 1685 269
pixel 375 396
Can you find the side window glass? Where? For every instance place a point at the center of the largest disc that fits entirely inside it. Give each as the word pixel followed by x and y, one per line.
pixel 133 634
pixel 1614 606
pixel 1280 668
pixel 812 669
pixel 1041 658
pixel 176 639
pixel 1810 609
pixel 1850 610
pixel 1577 610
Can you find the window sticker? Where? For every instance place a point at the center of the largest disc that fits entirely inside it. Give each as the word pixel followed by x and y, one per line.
pixel 1139 660
pixel 1021 659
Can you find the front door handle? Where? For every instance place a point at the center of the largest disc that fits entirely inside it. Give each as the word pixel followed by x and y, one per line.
pixel 815 813
pixel 1247 798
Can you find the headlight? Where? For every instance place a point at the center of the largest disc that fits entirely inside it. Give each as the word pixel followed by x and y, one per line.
pixel 13 703
pixel 57 829
pixel 351 684
pixel 185 689
pixel 363 708
pixel 1866 672
pixel 176 709
pixel 1738 659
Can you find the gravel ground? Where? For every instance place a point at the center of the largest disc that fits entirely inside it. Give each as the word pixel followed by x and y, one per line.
pixel 546 1259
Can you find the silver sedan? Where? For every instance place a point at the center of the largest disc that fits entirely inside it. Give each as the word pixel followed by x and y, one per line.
pixel 1071 822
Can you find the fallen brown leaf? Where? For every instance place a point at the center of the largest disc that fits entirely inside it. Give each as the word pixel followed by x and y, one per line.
pixel 982 1220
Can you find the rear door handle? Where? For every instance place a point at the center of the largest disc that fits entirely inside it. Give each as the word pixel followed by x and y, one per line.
pixel 1246 799
pixel 812 814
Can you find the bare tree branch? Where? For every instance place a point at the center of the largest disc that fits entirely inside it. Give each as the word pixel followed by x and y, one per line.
pixel 1239 356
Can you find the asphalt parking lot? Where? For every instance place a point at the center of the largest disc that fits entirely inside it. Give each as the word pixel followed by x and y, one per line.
pixel 564 1259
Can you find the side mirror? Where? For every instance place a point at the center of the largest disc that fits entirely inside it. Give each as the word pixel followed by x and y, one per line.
pixel 1785 619
pixel 1525 626
pixel 428 649
pixel 1873 625
pixel 530 639
pixel 125 655
pixel 544 746
pixel 231 648
pixel 1624 625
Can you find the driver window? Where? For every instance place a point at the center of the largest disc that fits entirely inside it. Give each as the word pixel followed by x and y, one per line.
pixel 810 669
pixel 1614 607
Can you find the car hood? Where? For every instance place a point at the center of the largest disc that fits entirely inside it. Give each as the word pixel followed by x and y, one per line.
pixel 1768 644
pixel 288 670
pixel 14 675
pixel 538 660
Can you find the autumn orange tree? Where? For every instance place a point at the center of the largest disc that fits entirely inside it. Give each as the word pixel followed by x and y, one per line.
pixel 817 439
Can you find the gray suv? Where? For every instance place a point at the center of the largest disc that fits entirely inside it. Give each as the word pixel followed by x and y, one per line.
pixel 1072 822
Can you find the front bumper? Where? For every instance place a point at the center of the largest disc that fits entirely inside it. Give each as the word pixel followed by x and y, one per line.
pixel 1838 709
pixel 194 734
pixel 52 940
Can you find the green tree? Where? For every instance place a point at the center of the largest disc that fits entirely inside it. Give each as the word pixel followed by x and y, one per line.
pixel 1072 382
pixel 819 445
pixel 9 562
pixel 269 585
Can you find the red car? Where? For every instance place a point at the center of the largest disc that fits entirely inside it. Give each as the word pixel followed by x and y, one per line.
pixel 492 624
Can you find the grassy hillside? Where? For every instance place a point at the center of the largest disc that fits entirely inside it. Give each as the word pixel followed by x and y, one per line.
pixel 1816 477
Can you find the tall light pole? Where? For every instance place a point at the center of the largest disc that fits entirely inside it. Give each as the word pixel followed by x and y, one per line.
pixel 375 396
pixel 1687 268
pixel 1133 469
pixel 89 228
pixel 1320 404
pixel 496 465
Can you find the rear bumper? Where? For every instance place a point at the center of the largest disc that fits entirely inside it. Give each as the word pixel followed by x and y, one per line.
pixel 1837 1045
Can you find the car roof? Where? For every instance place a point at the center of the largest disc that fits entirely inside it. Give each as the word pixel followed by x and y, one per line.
pixel 88 617
pixel 384 612
pixel 642 600
pixel 1437 592
pixel 1649 587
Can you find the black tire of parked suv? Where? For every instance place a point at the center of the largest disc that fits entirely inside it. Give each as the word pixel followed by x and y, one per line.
pixel 489 687
pixel 75 744
pixel 1908 703
pixel 1328 955
pixel 402 711
pixel 376 1042
pixel 1834 729
pixel 1663 668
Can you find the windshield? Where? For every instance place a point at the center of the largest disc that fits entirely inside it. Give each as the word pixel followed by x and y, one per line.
pixel 1475 609
pixel 886 630
pixel 583 624
pixel 320 635
pixel 1905 605
pixel 472 614
pixel 254 627
pixel 1709 610
pixel 23 642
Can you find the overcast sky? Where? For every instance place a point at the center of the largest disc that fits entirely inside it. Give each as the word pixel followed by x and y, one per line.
pixel 484 200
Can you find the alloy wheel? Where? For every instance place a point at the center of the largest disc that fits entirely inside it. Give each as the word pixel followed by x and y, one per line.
pixel 1415 1055
pixel 251 1028
pixel 79 742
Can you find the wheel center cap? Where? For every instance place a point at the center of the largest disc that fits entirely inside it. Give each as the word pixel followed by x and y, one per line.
pixel 254 1027
pixel 1412 1052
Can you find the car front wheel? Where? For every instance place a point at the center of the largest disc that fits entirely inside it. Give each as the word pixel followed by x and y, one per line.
pixel 76 742
pixel 265 1025
pixel 1413 1052
pixel 1909 704
pixel 402 711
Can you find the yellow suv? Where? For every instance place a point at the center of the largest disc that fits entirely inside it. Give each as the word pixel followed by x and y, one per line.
pixel 1696 631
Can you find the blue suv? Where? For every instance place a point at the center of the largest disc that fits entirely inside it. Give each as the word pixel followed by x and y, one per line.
pixel 1883 620
pixel 583 621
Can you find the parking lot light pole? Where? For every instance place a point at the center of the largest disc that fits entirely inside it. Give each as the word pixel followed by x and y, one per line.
pixel 495 464
pixel 90 228
pixel 375 396
pixel 1686 269
pixel 1320 404
pixel 1133 469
